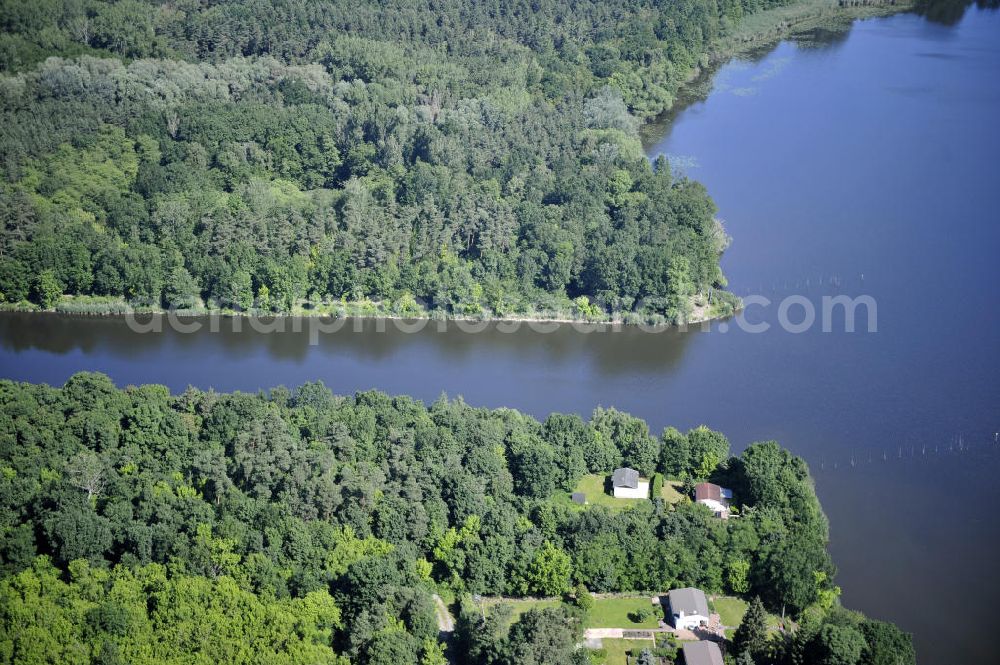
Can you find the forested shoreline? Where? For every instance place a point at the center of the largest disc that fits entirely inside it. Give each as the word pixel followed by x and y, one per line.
pixel 465 160
pixel 290 526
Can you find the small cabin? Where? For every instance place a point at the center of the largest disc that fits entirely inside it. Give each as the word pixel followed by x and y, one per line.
pixel 626 484
pixel 716 498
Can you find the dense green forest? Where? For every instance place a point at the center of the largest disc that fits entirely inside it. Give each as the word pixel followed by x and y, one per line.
pixel 138 526
pixel 463 157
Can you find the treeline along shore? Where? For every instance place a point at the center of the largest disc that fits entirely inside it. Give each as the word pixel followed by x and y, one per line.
pixel 459 162
pixel 299 526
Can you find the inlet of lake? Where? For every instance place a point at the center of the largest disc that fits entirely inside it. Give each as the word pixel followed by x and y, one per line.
pixel 858 163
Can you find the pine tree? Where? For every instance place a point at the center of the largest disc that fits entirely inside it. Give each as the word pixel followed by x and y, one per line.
pixel 751 636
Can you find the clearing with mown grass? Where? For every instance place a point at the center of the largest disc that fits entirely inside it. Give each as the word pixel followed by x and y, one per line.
pixel 518 605
pixel 731 610
pixel 596 487
pixel 614 613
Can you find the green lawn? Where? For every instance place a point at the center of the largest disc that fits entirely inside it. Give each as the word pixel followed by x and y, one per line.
pixel 613 613
pixel 593 486
pixel 606 613
pixel 518 606
pixel 731 611
pixel 671 491
pixel 616 650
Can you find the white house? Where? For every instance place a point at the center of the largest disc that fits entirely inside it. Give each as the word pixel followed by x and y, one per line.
pixel 702 653
pixel 626 484
pixel 688 608
pixel 715 497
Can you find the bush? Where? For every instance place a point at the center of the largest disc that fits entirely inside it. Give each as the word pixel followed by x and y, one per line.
pixel 669 653
pixel 656 485
pixel 687 488
pixel 725 303
pixel 46 289
pixel 639 616
pixel 582 598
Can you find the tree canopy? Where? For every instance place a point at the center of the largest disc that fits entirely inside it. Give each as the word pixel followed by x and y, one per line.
pixel 467 158
pixel 351 510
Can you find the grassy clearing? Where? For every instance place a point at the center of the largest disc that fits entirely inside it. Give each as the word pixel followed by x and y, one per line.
pixel 614 652
pixel 606 613
pixel 593 486
pixel 518 605
pixel 613 613
pixel 672 491
pixel 731 611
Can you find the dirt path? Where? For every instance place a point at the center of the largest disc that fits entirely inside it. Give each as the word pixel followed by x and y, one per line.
pixel 446 622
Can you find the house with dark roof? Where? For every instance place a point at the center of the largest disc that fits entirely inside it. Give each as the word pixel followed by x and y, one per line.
pixel 715 497
pixel 626 484
pixel 688 608
pixel 702 653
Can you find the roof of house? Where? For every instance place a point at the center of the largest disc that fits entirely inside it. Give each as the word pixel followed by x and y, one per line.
pixel 710 492
pixel 578 497
pixel 625 477
pixel 702 653
pixel 689 601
